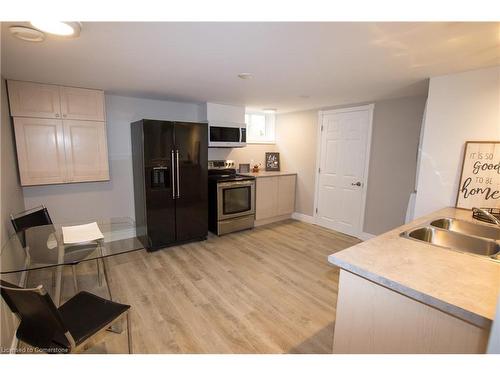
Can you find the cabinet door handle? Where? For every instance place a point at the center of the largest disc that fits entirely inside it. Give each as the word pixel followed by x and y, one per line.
pixel 57 115
pixel 64 115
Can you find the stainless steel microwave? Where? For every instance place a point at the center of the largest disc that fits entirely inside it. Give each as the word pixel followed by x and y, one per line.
pixel 227 134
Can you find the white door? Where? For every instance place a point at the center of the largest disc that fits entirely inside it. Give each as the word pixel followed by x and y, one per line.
pixel 345 138
pixel 82 104
pixel 86 150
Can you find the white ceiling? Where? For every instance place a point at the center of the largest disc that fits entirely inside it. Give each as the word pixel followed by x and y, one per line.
pixel 331 63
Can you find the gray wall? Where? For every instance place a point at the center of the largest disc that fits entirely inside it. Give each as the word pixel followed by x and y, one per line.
pixel 11 200
pixel 11 192
pixel 114 198
pixel 393 162
pixel 396 129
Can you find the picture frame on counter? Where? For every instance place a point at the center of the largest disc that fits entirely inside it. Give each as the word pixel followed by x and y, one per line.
pixel 244 168
pixel 479 184
pixel 272 161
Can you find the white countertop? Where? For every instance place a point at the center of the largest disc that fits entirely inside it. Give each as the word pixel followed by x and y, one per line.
pixel 457 283
pixel 268 174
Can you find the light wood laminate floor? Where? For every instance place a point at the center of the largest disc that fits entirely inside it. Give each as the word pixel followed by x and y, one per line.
pixel 266 290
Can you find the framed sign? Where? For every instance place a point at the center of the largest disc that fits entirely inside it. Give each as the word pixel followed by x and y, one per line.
pixel 272 161
pixel 480 179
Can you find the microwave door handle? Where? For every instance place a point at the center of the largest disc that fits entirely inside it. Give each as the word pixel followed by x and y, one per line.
pixel 173 175
pixel 178 174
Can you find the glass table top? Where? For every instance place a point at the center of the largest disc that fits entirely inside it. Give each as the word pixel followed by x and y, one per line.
pixel 43 246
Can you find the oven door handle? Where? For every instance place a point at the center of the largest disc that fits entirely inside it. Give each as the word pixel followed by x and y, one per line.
pixel 235 183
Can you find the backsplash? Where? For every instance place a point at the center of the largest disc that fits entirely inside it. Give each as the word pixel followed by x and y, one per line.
pixel 255 152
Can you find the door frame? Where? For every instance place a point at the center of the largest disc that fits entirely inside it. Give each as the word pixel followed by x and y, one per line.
pixel 370 108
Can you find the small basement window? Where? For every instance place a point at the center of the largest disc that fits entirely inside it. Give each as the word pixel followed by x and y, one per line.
pixel 260 127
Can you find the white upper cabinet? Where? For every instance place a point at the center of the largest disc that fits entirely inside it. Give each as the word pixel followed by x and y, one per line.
pixel 28 99
pixel 40 151
pixel 86 150
pixel 60 133
pixel 82 104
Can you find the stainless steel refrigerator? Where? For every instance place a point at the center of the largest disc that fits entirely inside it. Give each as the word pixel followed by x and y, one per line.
pixel 170 182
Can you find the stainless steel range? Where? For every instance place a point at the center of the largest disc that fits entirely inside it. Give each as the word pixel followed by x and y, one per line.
pixel 231 198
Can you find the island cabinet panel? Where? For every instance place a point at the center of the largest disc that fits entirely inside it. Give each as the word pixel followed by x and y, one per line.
pixel 82 104
pixel 86 150
pixel 373 319
pixel 275 198
pixel 29 99
pixel 40 151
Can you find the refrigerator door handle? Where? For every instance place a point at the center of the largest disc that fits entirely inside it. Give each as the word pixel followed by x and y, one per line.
pixel 173 176
pixel 178 174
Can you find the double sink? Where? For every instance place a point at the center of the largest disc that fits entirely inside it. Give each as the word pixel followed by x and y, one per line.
pixel 459 235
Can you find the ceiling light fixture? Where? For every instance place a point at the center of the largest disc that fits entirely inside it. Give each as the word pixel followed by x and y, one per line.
pixel 27 33
pixel 67 29
pixel 245 75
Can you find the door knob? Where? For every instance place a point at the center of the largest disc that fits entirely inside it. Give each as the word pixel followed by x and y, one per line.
pixel 356 183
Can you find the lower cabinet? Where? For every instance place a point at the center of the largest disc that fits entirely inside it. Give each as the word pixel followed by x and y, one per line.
pixel 274 198
pixel 51 151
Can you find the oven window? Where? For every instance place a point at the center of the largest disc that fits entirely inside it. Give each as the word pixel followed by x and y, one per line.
pixel 223 134
pixel 236 200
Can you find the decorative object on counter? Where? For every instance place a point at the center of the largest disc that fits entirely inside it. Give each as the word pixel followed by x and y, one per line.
pixel 272 161
pixel 255 168
pixel 480 178
pixel 243 168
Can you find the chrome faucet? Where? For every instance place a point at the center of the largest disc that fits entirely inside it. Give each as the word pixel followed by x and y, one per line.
pixel 487 214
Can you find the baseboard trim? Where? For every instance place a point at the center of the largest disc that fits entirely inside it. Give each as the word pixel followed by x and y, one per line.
pixel 303 217
pixel 270 220
pixel 366 236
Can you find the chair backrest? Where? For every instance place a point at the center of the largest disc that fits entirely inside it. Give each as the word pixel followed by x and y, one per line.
pixel 34 217
pixel 41 323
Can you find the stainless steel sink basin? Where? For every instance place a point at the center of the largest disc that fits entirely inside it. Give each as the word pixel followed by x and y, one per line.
pixel 454 240
pixel 466 227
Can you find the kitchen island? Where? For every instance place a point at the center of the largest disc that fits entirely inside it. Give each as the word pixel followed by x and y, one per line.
pixel 398 295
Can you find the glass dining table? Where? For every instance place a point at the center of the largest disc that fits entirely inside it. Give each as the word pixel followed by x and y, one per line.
pixel 43 247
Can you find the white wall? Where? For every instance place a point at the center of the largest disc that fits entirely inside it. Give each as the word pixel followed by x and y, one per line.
pixel 460 107
pixel 114 198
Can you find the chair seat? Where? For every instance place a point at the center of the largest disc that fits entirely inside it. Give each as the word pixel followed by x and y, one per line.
pixel 86 314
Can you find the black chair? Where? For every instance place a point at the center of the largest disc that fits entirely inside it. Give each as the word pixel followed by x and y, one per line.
pixel 34 217
pixel 39 216
pixel 66 329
